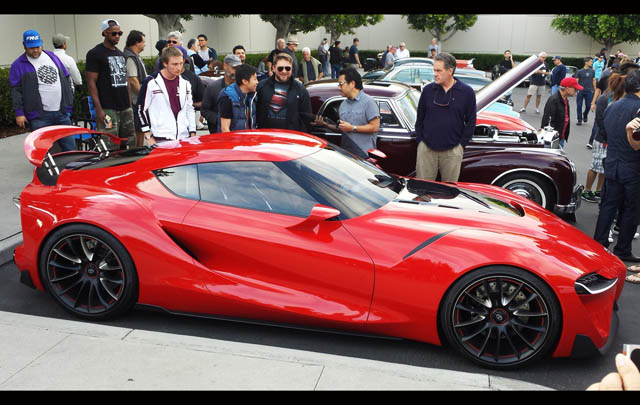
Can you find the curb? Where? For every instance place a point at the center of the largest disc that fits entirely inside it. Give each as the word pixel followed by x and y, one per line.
pixel 7 246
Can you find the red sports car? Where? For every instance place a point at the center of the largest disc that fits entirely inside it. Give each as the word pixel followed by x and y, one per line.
pixel 282 227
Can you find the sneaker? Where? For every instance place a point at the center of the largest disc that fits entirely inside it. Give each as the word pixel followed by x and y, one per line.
pixel 523 110
pixel 585 120
pixel 616 230
pixel 537 111
pixel 597 195
pixel 579 123
pixel 589 146
pixel 589 197
pixel 610 237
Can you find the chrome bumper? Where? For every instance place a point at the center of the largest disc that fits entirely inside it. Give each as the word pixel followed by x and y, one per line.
pixel 575 202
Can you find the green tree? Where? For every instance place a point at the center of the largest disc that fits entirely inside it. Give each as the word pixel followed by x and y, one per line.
pixel 338 24
pixel 441 26
pixel 607 29
pixel 173 22
pixel 286 24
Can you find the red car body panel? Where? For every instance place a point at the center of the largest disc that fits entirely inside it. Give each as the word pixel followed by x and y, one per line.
pixel 361 274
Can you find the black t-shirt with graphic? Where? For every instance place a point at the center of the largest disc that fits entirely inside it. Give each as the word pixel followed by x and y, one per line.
pixel 111 67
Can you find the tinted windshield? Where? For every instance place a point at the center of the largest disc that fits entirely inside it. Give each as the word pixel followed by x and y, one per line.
pixel 340 180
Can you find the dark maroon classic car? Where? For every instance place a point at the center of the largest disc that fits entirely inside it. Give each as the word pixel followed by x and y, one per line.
pixel 543 174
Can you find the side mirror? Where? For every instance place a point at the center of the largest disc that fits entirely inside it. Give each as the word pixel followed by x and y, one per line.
pixel 319 213
pixel 376 154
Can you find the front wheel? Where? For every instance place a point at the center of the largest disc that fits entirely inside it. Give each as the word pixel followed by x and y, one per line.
pixel 530 186
pixel 88 272
pixel 501 317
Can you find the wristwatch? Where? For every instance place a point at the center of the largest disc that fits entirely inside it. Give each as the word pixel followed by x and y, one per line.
pixel 147 137
pixel 355 128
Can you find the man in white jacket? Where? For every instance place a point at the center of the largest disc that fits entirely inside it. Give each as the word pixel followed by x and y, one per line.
pixel 165 103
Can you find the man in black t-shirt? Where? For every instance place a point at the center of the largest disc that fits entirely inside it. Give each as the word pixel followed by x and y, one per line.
pixel 106 72
pixel 507 63
pixel 279 48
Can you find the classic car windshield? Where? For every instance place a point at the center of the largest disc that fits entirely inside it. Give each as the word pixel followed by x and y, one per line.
pixel 409 105
pixel 340 180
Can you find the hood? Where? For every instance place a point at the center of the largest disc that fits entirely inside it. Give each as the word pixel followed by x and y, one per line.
pixel 506 82
pixel 504 122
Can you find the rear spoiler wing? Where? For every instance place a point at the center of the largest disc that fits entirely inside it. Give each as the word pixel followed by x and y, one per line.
pixel 39 142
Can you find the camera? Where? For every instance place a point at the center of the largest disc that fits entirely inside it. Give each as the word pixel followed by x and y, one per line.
pixel 632 352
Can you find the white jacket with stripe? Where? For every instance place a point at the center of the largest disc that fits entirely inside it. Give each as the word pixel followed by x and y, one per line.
pixel 154 109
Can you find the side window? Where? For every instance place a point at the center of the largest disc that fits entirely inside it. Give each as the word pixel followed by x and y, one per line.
pixel 387 118
pixel 260 186
pixel 180 180
pixel 332 110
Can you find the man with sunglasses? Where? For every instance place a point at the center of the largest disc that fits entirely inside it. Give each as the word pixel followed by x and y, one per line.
pixel 446 120
pixel 283 102
pixel 106 73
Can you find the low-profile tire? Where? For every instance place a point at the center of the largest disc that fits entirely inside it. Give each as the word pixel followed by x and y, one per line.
pixel 501 317
pixel 88 272
pixel 531 186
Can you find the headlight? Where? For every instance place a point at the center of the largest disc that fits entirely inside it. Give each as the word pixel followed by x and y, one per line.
pixel 593 283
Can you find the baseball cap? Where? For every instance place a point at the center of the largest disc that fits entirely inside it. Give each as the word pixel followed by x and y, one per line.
pixel 571 82
pixel 232 60
pixel 60 39
pixel 628 65
pixel 31 39
pixel 557 57
pixel 105 24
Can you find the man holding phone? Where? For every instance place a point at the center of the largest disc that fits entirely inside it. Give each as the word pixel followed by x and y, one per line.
pixel 507 63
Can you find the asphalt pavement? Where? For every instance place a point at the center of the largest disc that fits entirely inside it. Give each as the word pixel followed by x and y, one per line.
pixel 41 352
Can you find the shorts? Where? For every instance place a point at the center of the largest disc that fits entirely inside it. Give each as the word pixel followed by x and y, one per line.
pixel 599 153
pixel 535 90
pixel 122 126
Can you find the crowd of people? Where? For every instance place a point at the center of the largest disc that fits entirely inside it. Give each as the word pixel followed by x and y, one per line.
pixel 180 96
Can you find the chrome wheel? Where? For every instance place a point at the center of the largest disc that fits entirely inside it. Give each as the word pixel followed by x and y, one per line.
pixel 528 189
pixel 502 320
pixel 89 273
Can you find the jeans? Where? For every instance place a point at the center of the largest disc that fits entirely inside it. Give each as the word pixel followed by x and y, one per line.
pixel 335 70
pixel 618 192
pixel 49 118
pixel 587 96
pixel 594 132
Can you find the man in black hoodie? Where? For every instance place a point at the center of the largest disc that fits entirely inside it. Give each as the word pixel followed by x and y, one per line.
pixel 283 102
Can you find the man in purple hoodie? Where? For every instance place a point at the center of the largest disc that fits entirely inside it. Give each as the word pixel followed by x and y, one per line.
pixel 41 89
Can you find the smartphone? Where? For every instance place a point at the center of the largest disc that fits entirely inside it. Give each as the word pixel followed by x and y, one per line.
pixel 632 352
pixel 636 134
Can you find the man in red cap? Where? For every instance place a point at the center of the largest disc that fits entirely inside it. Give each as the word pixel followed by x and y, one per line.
pixel 556 110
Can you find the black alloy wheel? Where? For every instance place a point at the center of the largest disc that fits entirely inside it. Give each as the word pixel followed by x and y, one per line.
pixel 501 317
pixel 89 272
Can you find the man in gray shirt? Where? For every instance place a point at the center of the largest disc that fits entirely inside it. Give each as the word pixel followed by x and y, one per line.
pixel 359 114
pixel 587 79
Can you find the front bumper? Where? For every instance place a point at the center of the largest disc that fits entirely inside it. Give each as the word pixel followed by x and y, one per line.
pixel 584 347
pixel 574 203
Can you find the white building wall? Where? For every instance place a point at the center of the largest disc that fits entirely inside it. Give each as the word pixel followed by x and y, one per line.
pixel 492 33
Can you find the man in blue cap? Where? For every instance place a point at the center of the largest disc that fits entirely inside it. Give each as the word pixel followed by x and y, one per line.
pixel 41 88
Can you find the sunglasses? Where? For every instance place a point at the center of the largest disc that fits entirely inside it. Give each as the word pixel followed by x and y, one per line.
pixel 281 68
pixel 172 42
pixel 116 34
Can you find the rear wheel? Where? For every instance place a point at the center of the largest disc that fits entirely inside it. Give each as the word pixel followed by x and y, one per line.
pixel 89 272
pixel 501 317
